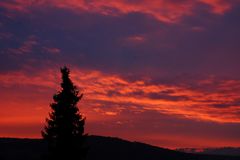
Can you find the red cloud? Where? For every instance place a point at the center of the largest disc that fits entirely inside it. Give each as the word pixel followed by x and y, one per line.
pixel 118 94
pixel 218 6
pixel 162 10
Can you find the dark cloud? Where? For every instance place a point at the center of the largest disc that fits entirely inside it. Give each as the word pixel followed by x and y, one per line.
pixel 227 105
pixel 102 42
pixel 167 97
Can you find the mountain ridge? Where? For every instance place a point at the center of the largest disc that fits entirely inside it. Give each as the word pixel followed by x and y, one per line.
pixel 106 148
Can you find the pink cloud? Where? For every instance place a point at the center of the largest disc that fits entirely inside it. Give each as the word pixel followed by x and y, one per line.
pixel 26 47
pixel 136 39
pixel 165 11
pixel 52 50
pixel 218 6
pixel 29 46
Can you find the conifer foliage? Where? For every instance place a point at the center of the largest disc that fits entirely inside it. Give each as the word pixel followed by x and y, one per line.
pixel 64 130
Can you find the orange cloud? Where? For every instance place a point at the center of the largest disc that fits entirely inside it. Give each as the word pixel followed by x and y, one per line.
pixel 111 94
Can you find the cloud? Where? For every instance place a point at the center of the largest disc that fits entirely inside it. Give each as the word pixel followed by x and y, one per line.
pixel 165 11
pixel 30 45
pixel 133 43
pixel 163 70
pixel 134 40
pixel 110 90
pixel 219 6
pixel 25 48
pixel 52 50
pixel 111 113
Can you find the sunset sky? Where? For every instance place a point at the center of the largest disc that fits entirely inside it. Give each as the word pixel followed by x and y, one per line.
pixel 163 72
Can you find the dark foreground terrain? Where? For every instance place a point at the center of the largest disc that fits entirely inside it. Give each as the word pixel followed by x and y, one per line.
pixel 101 148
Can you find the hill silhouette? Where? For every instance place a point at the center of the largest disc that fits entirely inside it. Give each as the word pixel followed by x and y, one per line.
pixel 106 148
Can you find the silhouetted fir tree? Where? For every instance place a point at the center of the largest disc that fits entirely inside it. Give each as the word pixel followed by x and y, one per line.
pixel 64 131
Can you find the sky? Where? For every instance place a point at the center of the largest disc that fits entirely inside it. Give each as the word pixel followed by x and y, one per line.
pixel 160 72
